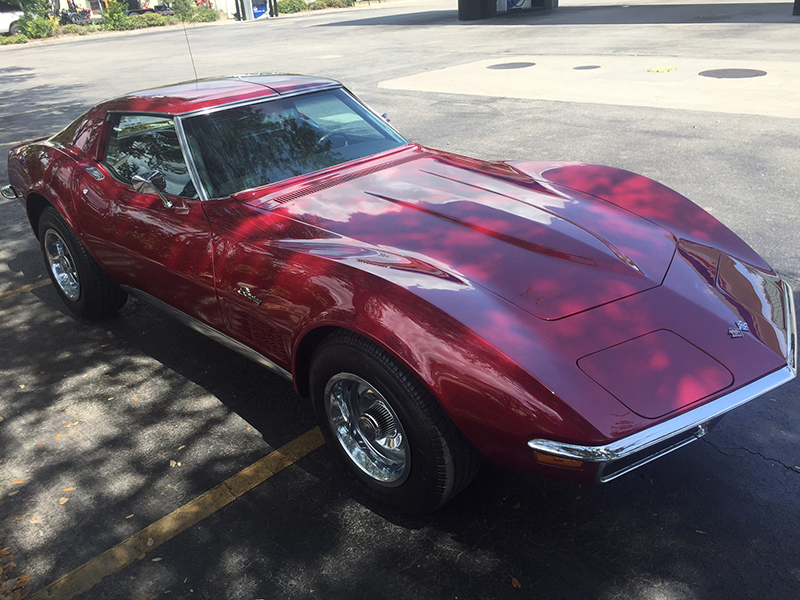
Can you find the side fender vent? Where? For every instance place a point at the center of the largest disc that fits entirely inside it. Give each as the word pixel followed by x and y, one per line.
pixel 263 338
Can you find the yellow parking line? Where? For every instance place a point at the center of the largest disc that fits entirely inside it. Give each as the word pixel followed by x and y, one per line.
pixel 25 288
pixel 136 546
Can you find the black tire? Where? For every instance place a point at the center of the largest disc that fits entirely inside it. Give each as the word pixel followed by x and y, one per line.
pixel 14 29
pixel 83 286
pixel 436 461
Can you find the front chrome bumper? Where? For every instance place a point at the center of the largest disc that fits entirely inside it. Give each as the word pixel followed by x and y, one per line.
pixel 625 455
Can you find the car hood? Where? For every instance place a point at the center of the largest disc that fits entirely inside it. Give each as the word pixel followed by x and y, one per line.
pixel 552 253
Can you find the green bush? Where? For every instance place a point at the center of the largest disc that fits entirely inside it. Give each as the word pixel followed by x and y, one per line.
pixel 71 28
pixel 155 20
pixel 136 22
pixel 36 26
pixel 188 11
pixel 115 17
pixel 146 20
pixel 291 6
pixel 204 14
pixel 35 23
pixel 182 9
pixel 13 39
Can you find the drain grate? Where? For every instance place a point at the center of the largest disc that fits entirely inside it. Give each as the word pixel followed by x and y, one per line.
pixel 732 73
pixel 511 65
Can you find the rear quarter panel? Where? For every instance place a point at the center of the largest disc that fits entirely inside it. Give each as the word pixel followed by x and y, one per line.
pixel 45 170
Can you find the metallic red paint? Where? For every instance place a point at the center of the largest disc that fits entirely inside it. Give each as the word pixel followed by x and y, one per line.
pixel 165 253
pixel 501 286
pixel 206 94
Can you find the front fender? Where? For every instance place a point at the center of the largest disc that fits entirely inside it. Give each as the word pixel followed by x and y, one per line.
pixel 645 198
pixel 490 398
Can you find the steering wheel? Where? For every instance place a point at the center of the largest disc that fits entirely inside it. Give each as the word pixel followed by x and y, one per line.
pixel 335 135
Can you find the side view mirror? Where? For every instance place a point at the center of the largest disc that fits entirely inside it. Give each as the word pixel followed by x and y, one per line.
pixel 9 192
pixel 152 182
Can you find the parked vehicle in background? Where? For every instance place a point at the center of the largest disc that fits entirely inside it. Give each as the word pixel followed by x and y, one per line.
pixel 161 9
pixel 74 15
pixel 9 18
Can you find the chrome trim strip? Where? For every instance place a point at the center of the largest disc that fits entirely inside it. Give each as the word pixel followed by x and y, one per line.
pixel 210 332
pixel 667 429
pixel 189 158
pixel 791 328
pixel 277 96
pixel 701 431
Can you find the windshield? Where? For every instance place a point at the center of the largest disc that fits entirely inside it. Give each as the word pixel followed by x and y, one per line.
pixel 243 147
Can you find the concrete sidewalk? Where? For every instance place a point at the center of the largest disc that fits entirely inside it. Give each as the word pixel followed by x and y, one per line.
pixel 754 87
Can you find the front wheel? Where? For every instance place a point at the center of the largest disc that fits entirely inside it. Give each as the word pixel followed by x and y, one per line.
pixel 83 286
pixel 387 427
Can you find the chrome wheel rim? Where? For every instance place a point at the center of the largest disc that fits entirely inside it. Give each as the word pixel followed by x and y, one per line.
pixel 367 429
pixel 62 265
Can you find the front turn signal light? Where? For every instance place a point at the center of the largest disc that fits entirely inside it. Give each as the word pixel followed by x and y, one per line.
pixel 558 461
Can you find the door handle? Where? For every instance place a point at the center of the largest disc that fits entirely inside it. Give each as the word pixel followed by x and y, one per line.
pixel 96 173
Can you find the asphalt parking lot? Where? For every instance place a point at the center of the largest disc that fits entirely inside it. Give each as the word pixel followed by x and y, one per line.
pixel 138 458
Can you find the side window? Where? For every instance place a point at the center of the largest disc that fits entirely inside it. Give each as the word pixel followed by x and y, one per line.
pixel 139 143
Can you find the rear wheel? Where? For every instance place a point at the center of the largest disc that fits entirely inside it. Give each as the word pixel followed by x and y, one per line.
pixel 83 286
pixel 14 29
pixel 387 428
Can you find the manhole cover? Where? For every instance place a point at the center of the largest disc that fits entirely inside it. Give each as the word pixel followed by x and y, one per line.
pixel 585 67
pixel 733 73
pixel 518 65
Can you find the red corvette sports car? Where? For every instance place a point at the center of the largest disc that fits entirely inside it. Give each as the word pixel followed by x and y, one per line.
pixel 567 319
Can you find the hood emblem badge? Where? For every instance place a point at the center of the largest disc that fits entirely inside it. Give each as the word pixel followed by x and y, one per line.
pixel 738 329
pixel 245 291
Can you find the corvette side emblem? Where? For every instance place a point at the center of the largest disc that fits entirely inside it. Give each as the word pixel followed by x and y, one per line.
pixel 245 291
pixel 738 329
